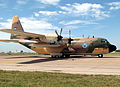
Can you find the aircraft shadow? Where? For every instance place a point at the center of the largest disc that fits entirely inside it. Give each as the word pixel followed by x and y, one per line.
pixel 26 57
pixel 111 57
pixel 47 58
pixel 84 57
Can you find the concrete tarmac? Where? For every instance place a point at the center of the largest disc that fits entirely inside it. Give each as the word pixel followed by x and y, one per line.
pixel 74 65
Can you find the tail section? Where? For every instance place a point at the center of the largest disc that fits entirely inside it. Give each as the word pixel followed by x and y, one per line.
pixel 16 26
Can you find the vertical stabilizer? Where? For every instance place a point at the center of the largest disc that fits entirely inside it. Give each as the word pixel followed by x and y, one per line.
pixel 16 25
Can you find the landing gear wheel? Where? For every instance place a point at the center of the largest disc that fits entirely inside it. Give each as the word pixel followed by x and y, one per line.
pixel 62 56
pixel 57 56
pixel 100 55
pixel 67 56
pixel 52 56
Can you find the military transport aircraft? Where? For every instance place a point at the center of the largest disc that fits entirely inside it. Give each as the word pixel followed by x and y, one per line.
pixel 57 46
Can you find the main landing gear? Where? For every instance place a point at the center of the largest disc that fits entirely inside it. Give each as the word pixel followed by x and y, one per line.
pixel 57 56
pixel 60 55
pixel 100 55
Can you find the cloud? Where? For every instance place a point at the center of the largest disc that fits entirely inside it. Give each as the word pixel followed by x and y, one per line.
pixel 1 44
pixel 36 14
pixel 85 9
pixel 114 5
pixel 48 13
pixel 1 18
pixel 51 2
pixel 4 36
pixel 2 5
pixel 6 24
pixel 62 12
pixel 70 27
pixel 21 2
pixel 30 25
pixel 77 22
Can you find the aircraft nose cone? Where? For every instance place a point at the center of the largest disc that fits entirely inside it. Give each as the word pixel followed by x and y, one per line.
pixel 112 48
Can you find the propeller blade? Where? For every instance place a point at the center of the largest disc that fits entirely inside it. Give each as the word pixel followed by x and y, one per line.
pixel 59 37
pixel 56 32
pixel 70 39
pixel 61 31
pixel 69 33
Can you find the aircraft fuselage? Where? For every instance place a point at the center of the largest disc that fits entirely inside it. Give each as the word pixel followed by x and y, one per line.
pixel 84 46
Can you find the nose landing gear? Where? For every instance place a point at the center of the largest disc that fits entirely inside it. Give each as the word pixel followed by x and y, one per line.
pixel 100 55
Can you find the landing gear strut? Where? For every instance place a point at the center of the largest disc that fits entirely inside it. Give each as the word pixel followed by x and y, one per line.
pixel 100 55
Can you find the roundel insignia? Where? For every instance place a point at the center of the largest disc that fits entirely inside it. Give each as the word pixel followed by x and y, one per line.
pixel 84 45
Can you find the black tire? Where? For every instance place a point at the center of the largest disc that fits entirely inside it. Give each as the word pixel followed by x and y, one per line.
pixel 62 56
pixel 57 56
pixel 67 56
pixel 52 56
pixel 100 55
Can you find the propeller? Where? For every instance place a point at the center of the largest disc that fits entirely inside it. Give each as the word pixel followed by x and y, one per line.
pixel 61 31
pixel 59 37
pixel 69 39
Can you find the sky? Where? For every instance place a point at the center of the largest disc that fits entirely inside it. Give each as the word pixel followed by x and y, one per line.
pixel 99 18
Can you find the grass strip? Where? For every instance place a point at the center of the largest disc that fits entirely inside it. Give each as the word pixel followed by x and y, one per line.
pixel 45 79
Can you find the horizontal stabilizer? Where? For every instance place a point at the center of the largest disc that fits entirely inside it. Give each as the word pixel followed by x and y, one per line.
pixel 21 33
pixel 25 34
pixel 8 41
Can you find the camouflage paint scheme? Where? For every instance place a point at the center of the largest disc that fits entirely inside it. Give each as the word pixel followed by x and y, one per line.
pixel 94 46
pixel 49 45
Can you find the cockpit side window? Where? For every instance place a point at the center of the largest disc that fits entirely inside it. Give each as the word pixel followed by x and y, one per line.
pixel 103 41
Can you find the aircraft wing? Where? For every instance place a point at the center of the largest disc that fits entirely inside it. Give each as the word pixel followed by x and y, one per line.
pixel 31 36
pixel 8 41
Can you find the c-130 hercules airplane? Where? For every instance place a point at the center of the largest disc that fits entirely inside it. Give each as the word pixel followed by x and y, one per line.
pixel 57 46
